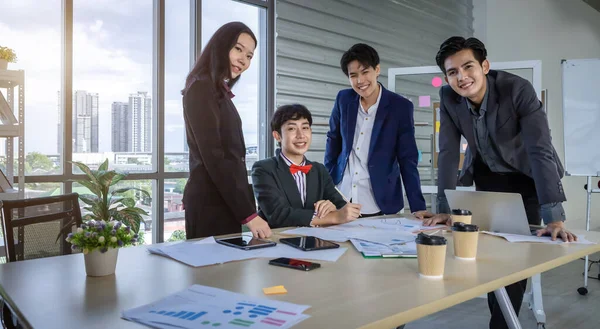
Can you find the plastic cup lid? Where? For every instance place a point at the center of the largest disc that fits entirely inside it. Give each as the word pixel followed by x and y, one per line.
pixel 430 240
pixel 461 212
pixel 462 227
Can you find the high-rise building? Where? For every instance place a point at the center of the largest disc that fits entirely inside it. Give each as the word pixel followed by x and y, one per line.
pixel 121 126
pixel 140 106
pixel 132 124
pixel 85 122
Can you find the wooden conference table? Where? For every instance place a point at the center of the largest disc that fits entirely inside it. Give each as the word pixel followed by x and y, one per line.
pixel 350 293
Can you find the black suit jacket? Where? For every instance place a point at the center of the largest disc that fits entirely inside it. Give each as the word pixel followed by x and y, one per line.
pixel 279 200
pixel 517 125
pixel 217 197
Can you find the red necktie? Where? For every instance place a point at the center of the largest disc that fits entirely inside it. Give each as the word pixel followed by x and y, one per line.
pixel 295 168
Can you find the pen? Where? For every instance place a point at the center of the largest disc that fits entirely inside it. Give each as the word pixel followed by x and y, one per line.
pixel 342 194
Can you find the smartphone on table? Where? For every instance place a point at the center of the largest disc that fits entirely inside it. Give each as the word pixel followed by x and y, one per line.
pixel 296 264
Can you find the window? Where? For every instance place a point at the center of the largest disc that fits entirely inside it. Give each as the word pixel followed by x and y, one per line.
pixel 177 67
pixel 248 97
pixel 215 13
pixel 174 212
pixel 112 84
pixel 36 190
pixel 111 92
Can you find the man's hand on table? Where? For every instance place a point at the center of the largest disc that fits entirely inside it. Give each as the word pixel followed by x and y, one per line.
pixel 557 230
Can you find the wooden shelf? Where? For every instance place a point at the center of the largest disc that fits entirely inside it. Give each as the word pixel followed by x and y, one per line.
pixel 9 130
pixel 11 78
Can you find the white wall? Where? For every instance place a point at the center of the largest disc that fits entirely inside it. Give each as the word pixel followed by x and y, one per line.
pixel 547 30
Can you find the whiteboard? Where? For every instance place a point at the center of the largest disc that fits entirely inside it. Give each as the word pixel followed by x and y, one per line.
pixel 581 116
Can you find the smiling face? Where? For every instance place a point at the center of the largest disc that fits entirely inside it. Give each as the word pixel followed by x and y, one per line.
pixel 364 79
pixel 466 76
pixel 295 137
pixel 241 55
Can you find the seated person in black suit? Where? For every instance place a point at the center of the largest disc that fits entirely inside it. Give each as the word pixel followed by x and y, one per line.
pixel 292 191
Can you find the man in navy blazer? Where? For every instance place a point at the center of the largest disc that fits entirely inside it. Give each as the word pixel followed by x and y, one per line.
pixel 371 143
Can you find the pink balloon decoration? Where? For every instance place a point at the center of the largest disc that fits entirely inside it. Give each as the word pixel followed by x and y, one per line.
pixel 436 82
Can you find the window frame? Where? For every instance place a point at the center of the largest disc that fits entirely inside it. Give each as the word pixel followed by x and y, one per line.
pixel 158 175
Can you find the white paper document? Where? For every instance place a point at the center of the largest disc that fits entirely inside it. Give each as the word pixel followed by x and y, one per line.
pixel 369 249
pixel 207 307
pixel 282 250
pixel 195 254
pixel 329 234
pixel 540 239
pixel 385 231
pixel 391 223
pixel 209 252
pixel 388 238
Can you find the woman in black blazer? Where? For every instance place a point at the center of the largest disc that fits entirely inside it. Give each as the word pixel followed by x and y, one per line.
pixel 217 197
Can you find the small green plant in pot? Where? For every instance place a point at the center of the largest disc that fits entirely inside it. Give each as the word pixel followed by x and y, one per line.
pixel 7 55
pixel 108 205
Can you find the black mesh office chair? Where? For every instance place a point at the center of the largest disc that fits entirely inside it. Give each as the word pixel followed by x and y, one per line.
pixel 37 228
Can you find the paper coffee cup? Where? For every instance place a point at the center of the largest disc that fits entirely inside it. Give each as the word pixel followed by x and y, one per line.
pixel 431 255
pixel 461 216
pixel 465 238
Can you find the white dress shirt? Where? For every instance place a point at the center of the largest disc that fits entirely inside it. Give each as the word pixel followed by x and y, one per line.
pixel 356 182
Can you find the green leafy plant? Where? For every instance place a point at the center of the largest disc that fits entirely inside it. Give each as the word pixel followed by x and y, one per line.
pixel 106 204
pixel 8 54
pixel 178 235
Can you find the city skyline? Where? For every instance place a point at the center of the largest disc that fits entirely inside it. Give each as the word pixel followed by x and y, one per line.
pixel 112 56
pixel 131 123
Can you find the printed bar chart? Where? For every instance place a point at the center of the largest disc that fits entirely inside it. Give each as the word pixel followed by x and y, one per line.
pixel 186 315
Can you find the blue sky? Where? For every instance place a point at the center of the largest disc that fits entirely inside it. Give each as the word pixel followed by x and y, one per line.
pixel 112 56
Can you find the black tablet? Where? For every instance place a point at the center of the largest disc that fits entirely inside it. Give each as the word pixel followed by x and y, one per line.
pixel 245 242
pixel 309 243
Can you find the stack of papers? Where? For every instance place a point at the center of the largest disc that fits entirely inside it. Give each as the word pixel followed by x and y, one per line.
pixel 393 224
pixel 381 237
pixel 540 239
pixel 375 250
pixel 209 252
pixel 385 230
pixel 201 306
pixel 387 238
pixel 329 234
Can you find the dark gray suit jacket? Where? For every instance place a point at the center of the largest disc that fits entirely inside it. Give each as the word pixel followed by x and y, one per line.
pixel 517 125
pixel 279 200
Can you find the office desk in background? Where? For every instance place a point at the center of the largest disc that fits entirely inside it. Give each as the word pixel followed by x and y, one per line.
pixel 350 293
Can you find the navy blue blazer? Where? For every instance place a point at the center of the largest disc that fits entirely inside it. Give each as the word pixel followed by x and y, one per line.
pixel 392 152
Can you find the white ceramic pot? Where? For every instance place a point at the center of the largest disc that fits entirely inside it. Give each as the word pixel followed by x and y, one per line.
pixel 101 264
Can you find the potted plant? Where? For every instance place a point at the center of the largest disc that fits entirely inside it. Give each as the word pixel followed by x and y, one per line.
pixel 7 55
pixel 107 208
pixel 100 242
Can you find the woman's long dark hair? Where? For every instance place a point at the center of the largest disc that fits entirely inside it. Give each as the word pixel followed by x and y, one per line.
pixel 214 60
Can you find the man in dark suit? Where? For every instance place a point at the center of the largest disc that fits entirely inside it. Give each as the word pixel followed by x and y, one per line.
pixel 371 141
pixel 292 191
pixel 509 144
